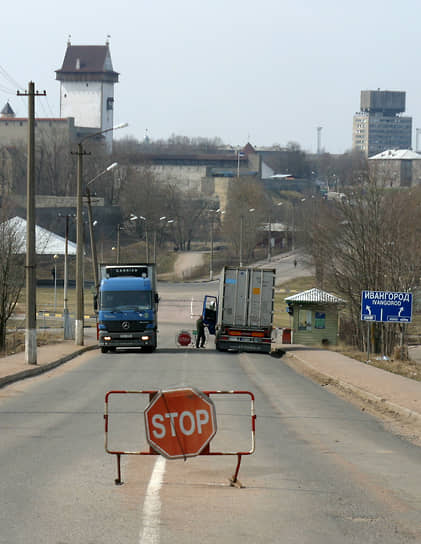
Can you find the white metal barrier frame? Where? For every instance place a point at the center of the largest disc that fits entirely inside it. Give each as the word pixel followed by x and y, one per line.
pixel 206 451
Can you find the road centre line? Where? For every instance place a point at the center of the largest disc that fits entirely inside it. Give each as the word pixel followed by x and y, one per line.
pixel 151 513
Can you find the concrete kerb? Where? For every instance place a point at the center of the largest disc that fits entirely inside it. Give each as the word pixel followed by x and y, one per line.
pixel 362 394
pixel 40 369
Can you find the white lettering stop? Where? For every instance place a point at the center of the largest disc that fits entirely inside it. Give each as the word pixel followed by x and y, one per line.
pixel 187 423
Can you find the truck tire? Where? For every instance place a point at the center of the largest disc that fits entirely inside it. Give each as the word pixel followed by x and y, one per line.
pixel 104 349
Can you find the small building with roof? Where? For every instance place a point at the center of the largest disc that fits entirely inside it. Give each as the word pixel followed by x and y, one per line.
pixel 315 316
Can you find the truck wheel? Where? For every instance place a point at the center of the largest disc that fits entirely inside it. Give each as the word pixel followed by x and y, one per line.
pixel 104 350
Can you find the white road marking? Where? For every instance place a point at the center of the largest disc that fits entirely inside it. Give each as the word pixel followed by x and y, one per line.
pixel 152 506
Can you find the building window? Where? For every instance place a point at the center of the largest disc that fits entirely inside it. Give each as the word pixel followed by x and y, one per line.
pixel 110 103
pixel 320 320
pixel 304 320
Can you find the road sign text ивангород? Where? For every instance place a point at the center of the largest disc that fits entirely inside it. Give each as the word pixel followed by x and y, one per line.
pixel 386 306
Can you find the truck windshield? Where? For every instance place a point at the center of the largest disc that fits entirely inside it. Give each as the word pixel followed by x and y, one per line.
pixel 126 300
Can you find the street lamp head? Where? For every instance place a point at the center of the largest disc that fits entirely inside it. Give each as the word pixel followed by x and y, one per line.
pixel 252 209
pixel 111 167
pixel 163 217
pixel 121 125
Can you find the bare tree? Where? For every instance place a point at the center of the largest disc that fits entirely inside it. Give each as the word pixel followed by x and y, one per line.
pixel 189 213
pixel 246 211
pixel 11 272
pixel 368 241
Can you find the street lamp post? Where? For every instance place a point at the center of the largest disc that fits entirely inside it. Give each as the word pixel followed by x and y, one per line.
pixel 211 253
pixel 91 223
pixel 251 210
pixel 212 240
pixel 134 217
pixel 67 328
pixel 146 237
pixel 154 239
pixel 270 233
pixel 79 233
pixel 119 227
pixel 55 282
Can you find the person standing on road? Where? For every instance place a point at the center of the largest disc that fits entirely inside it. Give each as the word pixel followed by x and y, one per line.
pixel 200 336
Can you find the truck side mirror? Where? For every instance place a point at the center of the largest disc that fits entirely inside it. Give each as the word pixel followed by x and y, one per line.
pixel 95 302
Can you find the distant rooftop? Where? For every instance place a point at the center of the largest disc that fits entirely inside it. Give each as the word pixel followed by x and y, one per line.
pixel 7 111
pixel 87 60
pixel 315 295
pixel 396 154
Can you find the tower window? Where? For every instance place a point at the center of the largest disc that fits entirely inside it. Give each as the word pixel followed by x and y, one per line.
pixel 110 103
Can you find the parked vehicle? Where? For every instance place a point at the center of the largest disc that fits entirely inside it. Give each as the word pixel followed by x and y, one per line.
pixel 127 305
pixel 244 309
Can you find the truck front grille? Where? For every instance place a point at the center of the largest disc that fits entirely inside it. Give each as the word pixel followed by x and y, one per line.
pixel 130 326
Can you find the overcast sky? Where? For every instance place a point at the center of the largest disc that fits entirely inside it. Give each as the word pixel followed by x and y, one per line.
pixel 266 71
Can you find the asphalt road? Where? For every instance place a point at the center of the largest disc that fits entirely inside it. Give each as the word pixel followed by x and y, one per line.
pixel 323 471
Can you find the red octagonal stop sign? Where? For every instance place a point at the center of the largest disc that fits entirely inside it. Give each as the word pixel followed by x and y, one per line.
pixel 180 422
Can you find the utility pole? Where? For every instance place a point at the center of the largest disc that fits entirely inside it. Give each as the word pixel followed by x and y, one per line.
pixel 30 264
pixel 93 245
pixel 67 329
pixel 79 247
pixel 270 239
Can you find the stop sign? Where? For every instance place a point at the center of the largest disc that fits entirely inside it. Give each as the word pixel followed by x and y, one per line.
pixel 180 422
pixel 184 338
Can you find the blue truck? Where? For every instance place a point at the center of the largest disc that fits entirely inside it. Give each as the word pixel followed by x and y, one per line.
pixel 127 307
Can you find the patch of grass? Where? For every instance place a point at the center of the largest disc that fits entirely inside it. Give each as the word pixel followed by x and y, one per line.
pixel 45 300
pixel 15 341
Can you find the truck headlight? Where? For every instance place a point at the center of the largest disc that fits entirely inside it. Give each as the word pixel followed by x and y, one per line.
pixel 144 338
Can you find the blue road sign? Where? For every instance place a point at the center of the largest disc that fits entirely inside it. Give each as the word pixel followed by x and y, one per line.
pixel 386 306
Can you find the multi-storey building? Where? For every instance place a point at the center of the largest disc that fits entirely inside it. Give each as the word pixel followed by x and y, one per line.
pixel 380 125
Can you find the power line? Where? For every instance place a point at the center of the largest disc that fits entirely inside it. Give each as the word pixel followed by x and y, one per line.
pixel 9 78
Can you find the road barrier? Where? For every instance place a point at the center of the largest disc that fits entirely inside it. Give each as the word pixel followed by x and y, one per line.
pixel 175 419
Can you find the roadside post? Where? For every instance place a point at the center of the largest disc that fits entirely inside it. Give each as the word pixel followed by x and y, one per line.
pixel 179 423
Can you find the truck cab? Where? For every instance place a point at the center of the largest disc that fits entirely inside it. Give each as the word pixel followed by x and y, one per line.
pixel 127 308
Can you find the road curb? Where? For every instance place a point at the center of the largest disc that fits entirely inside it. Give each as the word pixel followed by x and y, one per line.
pixel 358 391
pixel 40 369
